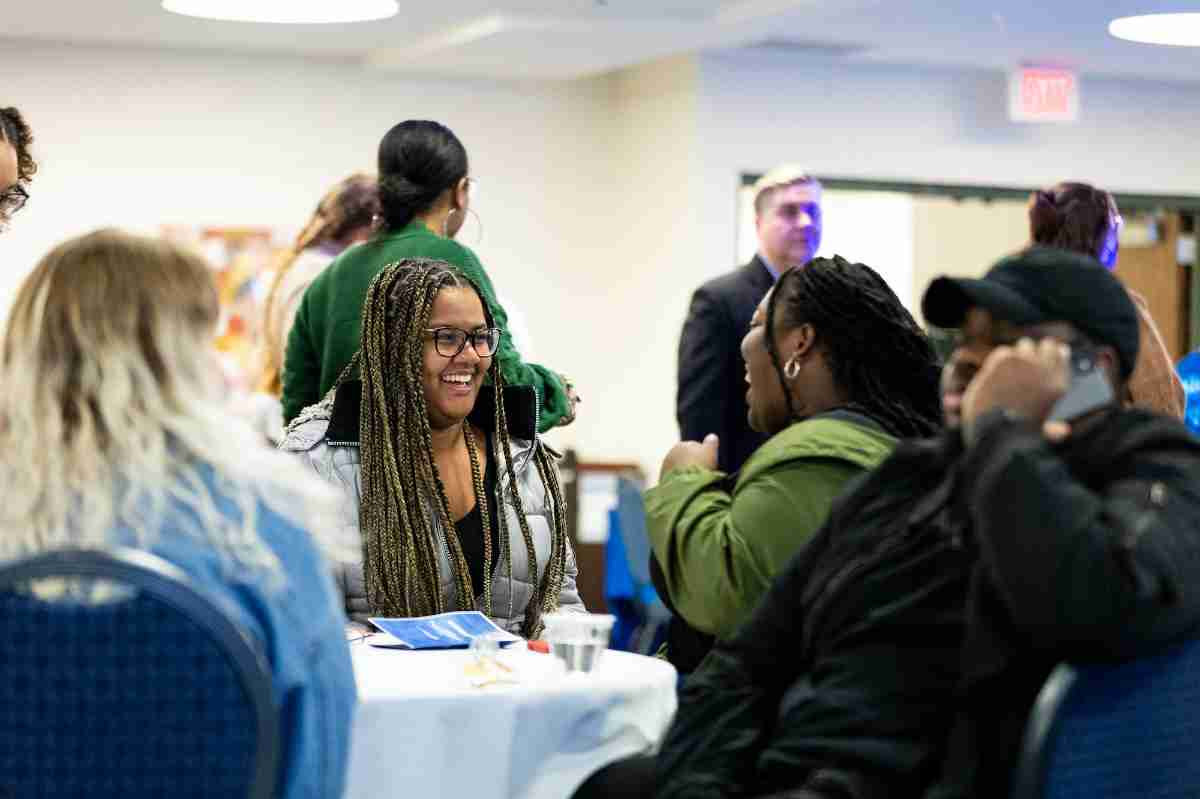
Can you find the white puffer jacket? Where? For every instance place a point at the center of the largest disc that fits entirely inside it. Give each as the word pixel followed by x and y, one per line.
pixel 326 437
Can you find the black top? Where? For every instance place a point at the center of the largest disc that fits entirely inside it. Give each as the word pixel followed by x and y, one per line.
pixel 470 527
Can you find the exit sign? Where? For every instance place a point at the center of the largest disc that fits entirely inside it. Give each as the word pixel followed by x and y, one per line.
pixel 1043 94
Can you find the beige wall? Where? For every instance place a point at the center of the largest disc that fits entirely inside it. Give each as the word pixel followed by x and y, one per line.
pixel 625 325
pixel 962 238
pixel 604 202
pixel 585 189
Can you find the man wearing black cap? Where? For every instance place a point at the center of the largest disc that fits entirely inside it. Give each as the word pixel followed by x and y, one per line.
pixel 900 652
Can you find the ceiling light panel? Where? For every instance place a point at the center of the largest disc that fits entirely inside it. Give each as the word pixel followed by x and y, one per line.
pixel 1178 30
pixel 290 12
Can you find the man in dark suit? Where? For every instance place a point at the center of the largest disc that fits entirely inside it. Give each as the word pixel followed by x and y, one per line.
pixel 711 395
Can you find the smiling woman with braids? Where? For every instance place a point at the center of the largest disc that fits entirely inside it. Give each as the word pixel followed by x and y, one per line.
pixel 455 500
pixel 837 372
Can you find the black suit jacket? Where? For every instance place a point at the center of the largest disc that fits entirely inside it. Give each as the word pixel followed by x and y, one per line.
pixel 711 396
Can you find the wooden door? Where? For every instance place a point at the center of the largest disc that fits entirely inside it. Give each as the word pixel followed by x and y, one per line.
pixel 1153 271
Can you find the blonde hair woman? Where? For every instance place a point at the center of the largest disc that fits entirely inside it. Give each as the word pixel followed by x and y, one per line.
pixel 114 434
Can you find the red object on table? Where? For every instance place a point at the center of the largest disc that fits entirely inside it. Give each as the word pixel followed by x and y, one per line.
pixel 538 645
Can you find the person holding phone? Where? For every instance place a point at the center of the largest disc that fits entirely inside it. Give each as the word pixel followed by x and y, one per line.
pixel 900 651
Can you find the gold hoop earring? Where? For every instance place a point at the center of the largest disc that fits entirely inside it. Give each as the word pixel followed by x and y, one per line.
pixel 446 223
pixel 791 368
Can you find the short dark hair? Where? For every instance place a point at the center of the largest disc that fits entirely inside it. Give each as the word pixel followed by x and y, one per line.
pixel 877 353
pixel 418 160
pixel 15 131
pixel 1072 216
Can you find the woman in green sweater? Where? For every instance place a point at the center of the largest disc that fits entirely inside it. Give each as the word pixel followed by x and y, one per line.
pixel 423 193
pixel 837 372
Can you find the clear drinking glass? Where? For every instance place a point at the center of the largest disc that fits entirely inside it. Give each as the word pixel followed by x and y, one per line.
pixel 578 639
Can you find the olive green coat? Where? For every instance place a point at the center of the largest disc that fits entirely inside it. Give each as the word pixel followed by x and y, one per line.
pixel 719 549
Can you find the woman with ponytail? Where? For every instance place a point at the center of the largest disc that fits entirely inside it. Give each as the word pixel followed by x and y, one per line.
pixel 1084 219
pixel 448 492
pixel 424 198
pixel 838 371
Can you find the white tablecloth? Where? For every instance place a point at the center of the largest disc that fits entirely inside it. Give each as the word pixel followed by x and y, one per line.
pixel 421 729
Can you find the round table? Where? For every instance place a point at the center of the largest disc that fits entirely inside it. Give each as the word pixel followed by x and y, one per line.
pixel 422 729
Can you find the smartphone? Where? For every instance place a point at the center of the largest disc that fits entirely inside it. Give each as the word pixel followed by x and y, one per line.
pixel 1089 389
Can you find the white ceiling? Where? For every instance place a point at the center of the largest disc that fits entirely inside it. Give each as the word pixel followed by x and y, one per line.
pixel 564 39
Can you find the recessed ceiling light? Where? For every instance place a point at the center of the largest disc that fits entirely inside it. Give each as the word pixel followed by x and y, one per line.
pixel 295 12
pixel 1178 30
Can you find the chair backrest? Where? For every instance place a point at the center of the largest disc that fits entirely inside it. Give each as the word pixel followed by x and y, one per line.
pixel 1110 730
pixel 636 539
pixel 153 690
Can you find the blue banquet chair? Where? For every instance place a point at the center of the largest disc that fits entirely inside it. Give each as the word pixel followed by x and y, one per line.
pixel 1188 370
pixel 1116 731
pixel 127 682
pixel 642 617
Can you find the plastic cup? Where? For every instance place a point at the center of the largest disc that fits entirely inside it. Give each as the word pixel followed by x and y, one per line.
pixel 578 638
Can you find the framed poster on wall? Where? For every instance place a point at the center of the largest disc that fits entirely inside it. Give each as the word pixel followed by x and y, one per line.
pixel 243 261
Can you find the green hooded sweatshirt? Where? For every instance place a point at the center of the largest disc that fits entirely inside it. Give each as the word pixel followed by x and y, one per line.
pixel 719 550
pixel 326 332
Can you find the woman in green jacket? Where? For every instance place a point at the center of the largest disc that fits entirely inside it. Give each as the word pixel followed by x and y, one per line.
pixel 837 372
pixel 423 193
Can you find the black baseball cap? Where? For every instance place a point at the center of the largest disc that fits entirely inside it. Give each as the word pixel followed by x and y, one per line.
pixel 1044 284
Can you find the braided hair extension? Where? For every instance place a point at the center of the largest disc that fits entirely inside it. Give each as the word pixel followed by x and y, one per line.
pixel 401 486
pixel 546 591
pixel 878 355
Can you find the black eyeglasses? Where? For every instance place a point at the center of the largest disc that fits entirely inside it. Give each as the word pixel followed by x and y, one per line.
pixel 13 199
pixel 450 341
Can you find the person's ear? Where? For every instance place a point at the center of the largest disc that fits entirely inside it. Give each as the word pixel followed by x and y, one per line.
pixel 798 342
pixel 1110 362
pixel 461 191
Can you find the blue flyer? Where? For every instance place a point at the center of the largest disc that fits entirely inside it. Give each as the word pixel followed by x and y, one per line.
pixel 442 631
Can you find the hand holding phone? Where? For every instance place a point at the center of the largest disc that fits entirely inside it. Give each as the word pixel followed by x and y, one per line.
pixel 1089 389
pixel 1043 381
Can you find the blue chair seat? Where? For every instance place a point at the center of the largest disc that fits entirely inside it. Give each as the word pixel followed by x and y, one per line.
pixel 1116 731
